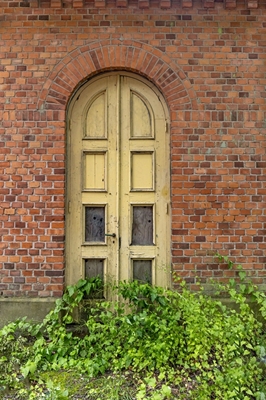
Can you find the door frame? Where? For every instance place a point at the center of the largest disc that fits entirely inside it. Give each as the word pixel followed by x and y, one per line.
pixel 71 278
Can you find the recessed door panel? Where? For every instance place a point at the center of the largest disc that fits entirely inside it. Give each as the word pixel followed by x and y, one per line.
pixel 118 182
pixel 94 171
pixel 96 117
pixel 142 170
pixel 142 120
pixel 94 224
pixel 142 225
pixel 142 271
pixel 94 267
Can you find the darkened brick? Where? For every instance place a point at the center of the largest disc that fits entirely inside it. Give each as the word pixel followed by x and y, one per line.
pixel 9 265
pixel 200 238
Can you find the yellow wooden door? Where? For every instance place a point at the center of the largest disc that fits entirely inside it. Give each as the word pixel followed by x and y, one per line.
pixel 118 184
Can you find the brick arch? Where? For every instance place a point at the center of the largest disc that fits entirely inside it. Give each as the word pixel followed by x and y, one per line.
pixel 88 60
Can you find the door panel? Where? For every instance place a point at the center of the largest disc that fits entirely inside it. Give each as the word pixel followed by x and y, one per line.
pixel 118 182
pixel 94 171
pixel 142 161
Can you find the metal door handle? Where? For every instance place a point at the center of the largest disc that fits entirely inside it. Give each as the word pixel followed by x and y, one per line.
pixel 110 234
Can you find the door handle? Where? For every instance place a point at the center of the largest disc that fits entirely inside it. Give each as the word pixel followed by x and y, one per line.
pixel 110 234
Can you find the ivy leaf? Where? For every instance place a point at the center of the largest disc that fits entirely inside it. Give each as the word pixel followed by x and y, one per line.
pixel 166 390
pixel 151 382
pixel 30 367
pixel 81 283
pixel 71 290
pixel 242 275
pixel 153 296
pixel 162 301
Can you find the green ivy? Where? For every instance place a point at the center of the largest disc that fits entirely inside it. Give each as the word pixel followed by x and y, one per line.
pixel 175 344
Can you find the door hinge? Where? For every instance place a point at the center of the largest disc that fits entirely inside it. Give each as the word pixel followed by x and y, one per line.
pixel 166 127
pixel 167 208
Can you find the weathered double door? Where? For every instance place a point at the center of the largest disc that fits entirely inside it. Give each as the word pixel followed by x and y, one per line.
pixel 118 184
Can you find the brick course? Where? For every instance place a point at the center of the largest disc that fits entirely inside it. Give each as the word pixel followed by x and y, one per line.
pixel 208 60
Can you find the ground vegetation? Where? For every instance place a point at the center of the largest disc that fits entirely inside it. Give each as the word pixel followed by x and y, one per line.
pixel 151 343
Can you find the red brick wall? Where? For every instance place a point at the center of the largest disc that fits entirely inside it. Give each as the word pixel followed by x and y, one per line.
pixel 208 60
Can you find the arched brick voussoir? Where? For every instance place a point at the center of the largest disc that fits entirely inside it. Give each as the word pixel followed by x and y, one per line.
pixel 128 55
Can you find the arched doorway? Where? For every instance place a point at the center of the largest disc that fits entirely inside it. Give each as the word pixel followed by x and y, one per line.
pixel 118 181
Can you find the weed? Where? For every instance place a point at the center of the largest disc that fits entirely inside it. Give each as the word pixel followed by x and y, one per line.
pixel 153 344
